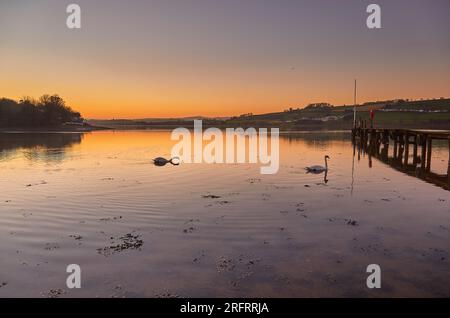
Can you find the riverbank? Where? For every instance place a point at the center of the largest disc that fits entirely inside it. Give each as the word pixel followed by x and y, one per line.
pixel 60 128
pixel 283 126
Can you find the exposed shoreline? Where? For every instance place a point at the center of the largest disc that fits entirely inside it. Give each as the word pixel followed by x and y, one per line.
pixel 189 125
pixel 284 127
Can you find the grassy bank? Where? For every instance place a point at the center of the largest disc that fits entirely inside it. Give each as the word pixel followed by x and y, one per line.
pixel 424 114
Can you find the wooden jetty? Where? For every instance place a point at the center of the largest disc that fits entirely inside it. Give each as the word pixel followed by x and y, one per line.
pixel 376 142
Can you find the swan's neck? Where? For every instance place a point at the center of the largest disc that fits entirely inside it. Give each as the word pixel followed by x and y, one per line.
pixel 326 163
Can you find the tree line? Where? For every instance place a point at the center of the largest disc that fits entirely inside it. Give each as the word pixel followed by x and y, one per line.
pixel 48 110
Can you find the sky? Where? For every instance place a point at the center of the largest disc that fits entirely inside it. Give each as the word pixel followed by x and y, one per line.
pixel 176 58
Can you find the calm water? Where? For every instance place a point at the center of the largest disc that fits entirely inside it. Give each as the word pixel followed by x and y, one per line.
pixel 139 230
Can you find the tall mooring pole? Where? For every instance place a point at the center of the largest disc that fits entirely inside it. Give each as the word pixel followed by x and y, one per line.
pixel 354 107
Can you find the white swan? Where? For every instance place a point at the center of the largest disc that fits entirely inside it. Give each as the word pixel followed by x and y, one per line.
pixel 318 169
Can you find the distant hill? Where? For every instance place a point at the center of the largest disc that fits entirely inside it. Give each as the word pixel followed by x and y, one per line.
pixel 433 113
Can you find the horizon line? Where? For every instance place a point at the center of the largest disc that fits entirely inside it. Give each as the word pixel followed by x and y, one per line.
pixel 186 117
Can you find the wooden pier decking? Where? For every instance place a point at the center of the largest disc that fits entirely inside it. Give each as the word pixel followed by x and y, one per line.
pixel 417 163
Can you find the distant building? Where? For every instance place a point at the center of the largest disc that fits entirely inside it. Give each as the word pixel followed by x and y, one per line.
pixel 319 105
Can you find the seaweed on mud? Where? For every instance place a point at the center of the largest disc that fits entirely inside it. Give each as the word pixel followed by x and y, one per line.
pixel 128 241
pixel 211 196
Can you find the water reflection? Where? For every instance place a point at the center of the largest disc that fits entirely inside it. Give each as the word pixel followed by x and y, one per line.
pixel 397 162
pixel 53 147
pixel 47 147
pixel 316 139
pixel 196 218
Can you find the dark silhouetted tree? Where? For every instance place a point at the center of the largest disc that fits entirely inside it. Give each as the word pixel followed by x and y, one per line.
pixel 49 110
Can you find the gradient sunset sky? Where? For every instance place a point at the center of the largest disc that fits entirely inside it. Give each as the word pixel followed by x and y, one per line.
pixel 172 58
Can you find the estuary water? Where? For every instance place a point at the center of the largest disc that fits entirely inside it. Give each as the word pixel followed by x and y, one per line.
pixel 215 230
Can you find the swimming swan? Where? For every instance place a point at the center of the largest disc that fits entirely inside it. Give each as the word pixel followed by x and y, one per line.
pixel 318 169
pixel 160 161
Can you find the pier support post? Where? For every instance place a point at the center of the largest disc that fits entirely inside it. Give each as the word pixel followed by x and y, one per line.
pixel 448 169
pixel 366 138
pixel 429 149
pixel 406 149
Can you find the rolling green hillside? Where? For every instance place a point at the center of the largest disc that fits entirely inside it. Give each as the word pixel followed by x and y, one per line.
pixel 426 114
pixel 401 113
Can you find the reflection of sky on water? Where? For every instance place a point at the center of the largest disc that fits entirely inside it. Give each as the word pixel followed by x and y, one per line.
pixel 304 236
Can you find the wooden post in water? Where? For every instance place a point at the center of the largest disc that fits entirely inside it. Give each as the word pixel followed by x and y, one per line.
pixel 354 107
pixel 373 141
pixel 448 169
pixel 366 137
pixel 416 137
pixel 379 137
pixel 406 149
pixel 385 137
pixel 385 151
pixel 429 148
pixel 377 142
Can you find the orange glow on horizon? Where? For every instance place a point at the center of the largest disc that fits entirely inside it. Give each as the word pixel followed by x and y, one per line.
pixel 220 58
pixel 113 89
